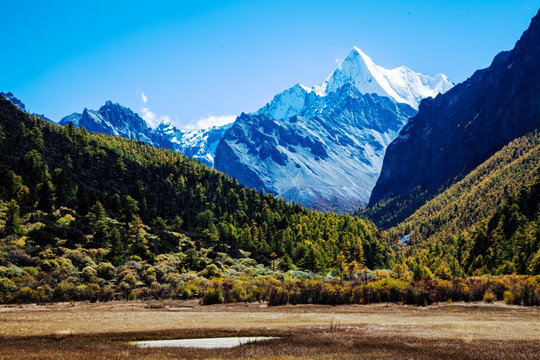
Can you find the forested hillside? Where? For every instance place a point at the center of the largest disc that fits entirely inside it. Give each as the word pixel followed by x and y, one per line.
pixel 94 217
pixel 73 199
pixel 489 222
pixel 459 130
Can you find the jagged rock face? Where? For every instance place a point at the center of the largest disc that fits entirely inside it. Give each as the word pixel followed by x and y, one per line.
pixel 112 119
pixel 12 99
pixel 458 130
pixel 327 156
pixel 322 146
pixel 198 144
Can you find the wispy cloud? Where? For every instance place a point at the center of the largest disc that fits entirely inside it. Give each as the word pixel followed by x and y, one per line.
pixel 337 62
pixel 152 119
pixel 209 122
pixel 143 96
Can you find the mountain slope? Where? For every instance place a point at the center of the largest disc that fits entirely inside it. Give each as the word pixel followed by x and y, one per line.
pixel 197 144
pixel 462 223
pixel 15 101
pixel 402 84
pixel 112 119
pixel 156 200
pixel 353 116
pixel 117 120
pixel 327 156
pixel 460 129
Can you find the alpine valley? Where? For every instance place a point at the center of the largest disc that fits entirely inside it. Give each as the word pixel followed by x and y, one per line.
pixel 322 146
pixel 103 207
pixel 314 227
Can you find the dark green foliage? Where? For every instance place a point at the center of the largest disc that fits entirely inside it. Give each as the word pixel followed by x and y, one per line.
pixel 45 191
pixel 486 223
pixel 118 188
pixel 392 211
pixel 510 241
pixel 13 185
pixel 13 224
pixel 213 296
pixel 286 264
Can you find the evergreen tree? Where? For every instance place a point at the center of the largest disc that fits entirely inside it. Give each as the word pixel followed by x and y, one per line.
pixel 206 228
pixel 97 212
pixel 137 242
pixel 116 254
pixel 286 263
pixel 13 186
pixel 45 191
pixel 130 208
pixel 13 225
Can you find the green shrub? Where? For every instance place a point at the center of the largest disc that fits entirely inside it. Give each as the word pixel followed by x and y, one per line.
pixel 6 288
pixel 27 294
pixel 48 265
pixel 106 270
pixel 237 294
pixel 65 291
pixel 213 296
pixel 211 272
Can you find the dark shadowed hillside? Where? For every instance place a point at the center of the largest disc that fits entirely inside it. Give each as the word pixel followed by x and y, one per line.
pixel 457 131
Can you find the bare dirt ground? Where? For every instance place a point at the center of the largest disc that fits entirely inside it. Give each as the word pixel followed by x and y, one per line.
pixel 102 330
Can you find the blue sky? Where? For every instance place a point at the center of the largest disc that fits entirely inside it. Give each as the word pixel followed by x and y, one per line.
pixel 197 59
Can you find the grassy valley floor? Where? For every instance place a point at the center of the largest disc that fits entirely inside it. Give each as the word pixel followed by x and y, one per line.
pixel 102 331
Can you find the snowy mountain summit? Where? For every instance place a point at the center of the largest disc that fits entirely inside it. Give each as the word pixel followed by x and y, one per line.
pixel 400 84
pixel 112 119
pixel 324 145
pixel 115 119
pixel 198 144
pixel 12 99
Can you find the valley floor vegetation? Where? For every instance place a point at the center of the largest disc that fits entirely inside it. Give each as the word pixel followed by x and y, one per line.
pixel 384 331
pixel 95 217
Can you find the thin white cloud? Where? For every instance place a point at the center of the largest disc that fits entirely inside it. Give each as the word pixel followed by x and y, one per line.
pixel 152 119
pixel 337 62
pixel 143 96
pixel 210 121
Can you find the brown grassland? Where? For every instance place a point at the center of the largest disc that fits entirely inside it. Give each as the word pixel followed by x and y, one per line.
pixel 382 331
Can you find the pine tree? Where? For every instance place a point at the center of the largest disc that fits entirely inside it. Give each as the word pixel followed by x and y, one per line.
pixel 286 264
pixel 13 186
pixel 45 192
pixel 97 212
pixel 137 242
pixel 130 208
pixel 116 255
pixel 206 229
pixel 13 225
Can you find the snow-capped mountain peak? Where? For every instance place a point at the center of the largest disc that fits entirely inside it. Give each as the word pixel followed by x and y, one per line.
pixel 359 70
pixel 402 84
pixel 199 144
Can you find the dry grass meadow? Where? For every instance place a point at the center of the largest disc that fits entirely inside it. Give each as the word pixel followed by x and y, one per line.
pixel 103 330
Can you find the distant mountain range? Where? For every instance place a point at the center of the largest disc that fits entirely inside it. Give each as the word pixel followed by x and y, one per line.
pixel 115 119
pixel 12 99
pixel 322 146
pixel 327 156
